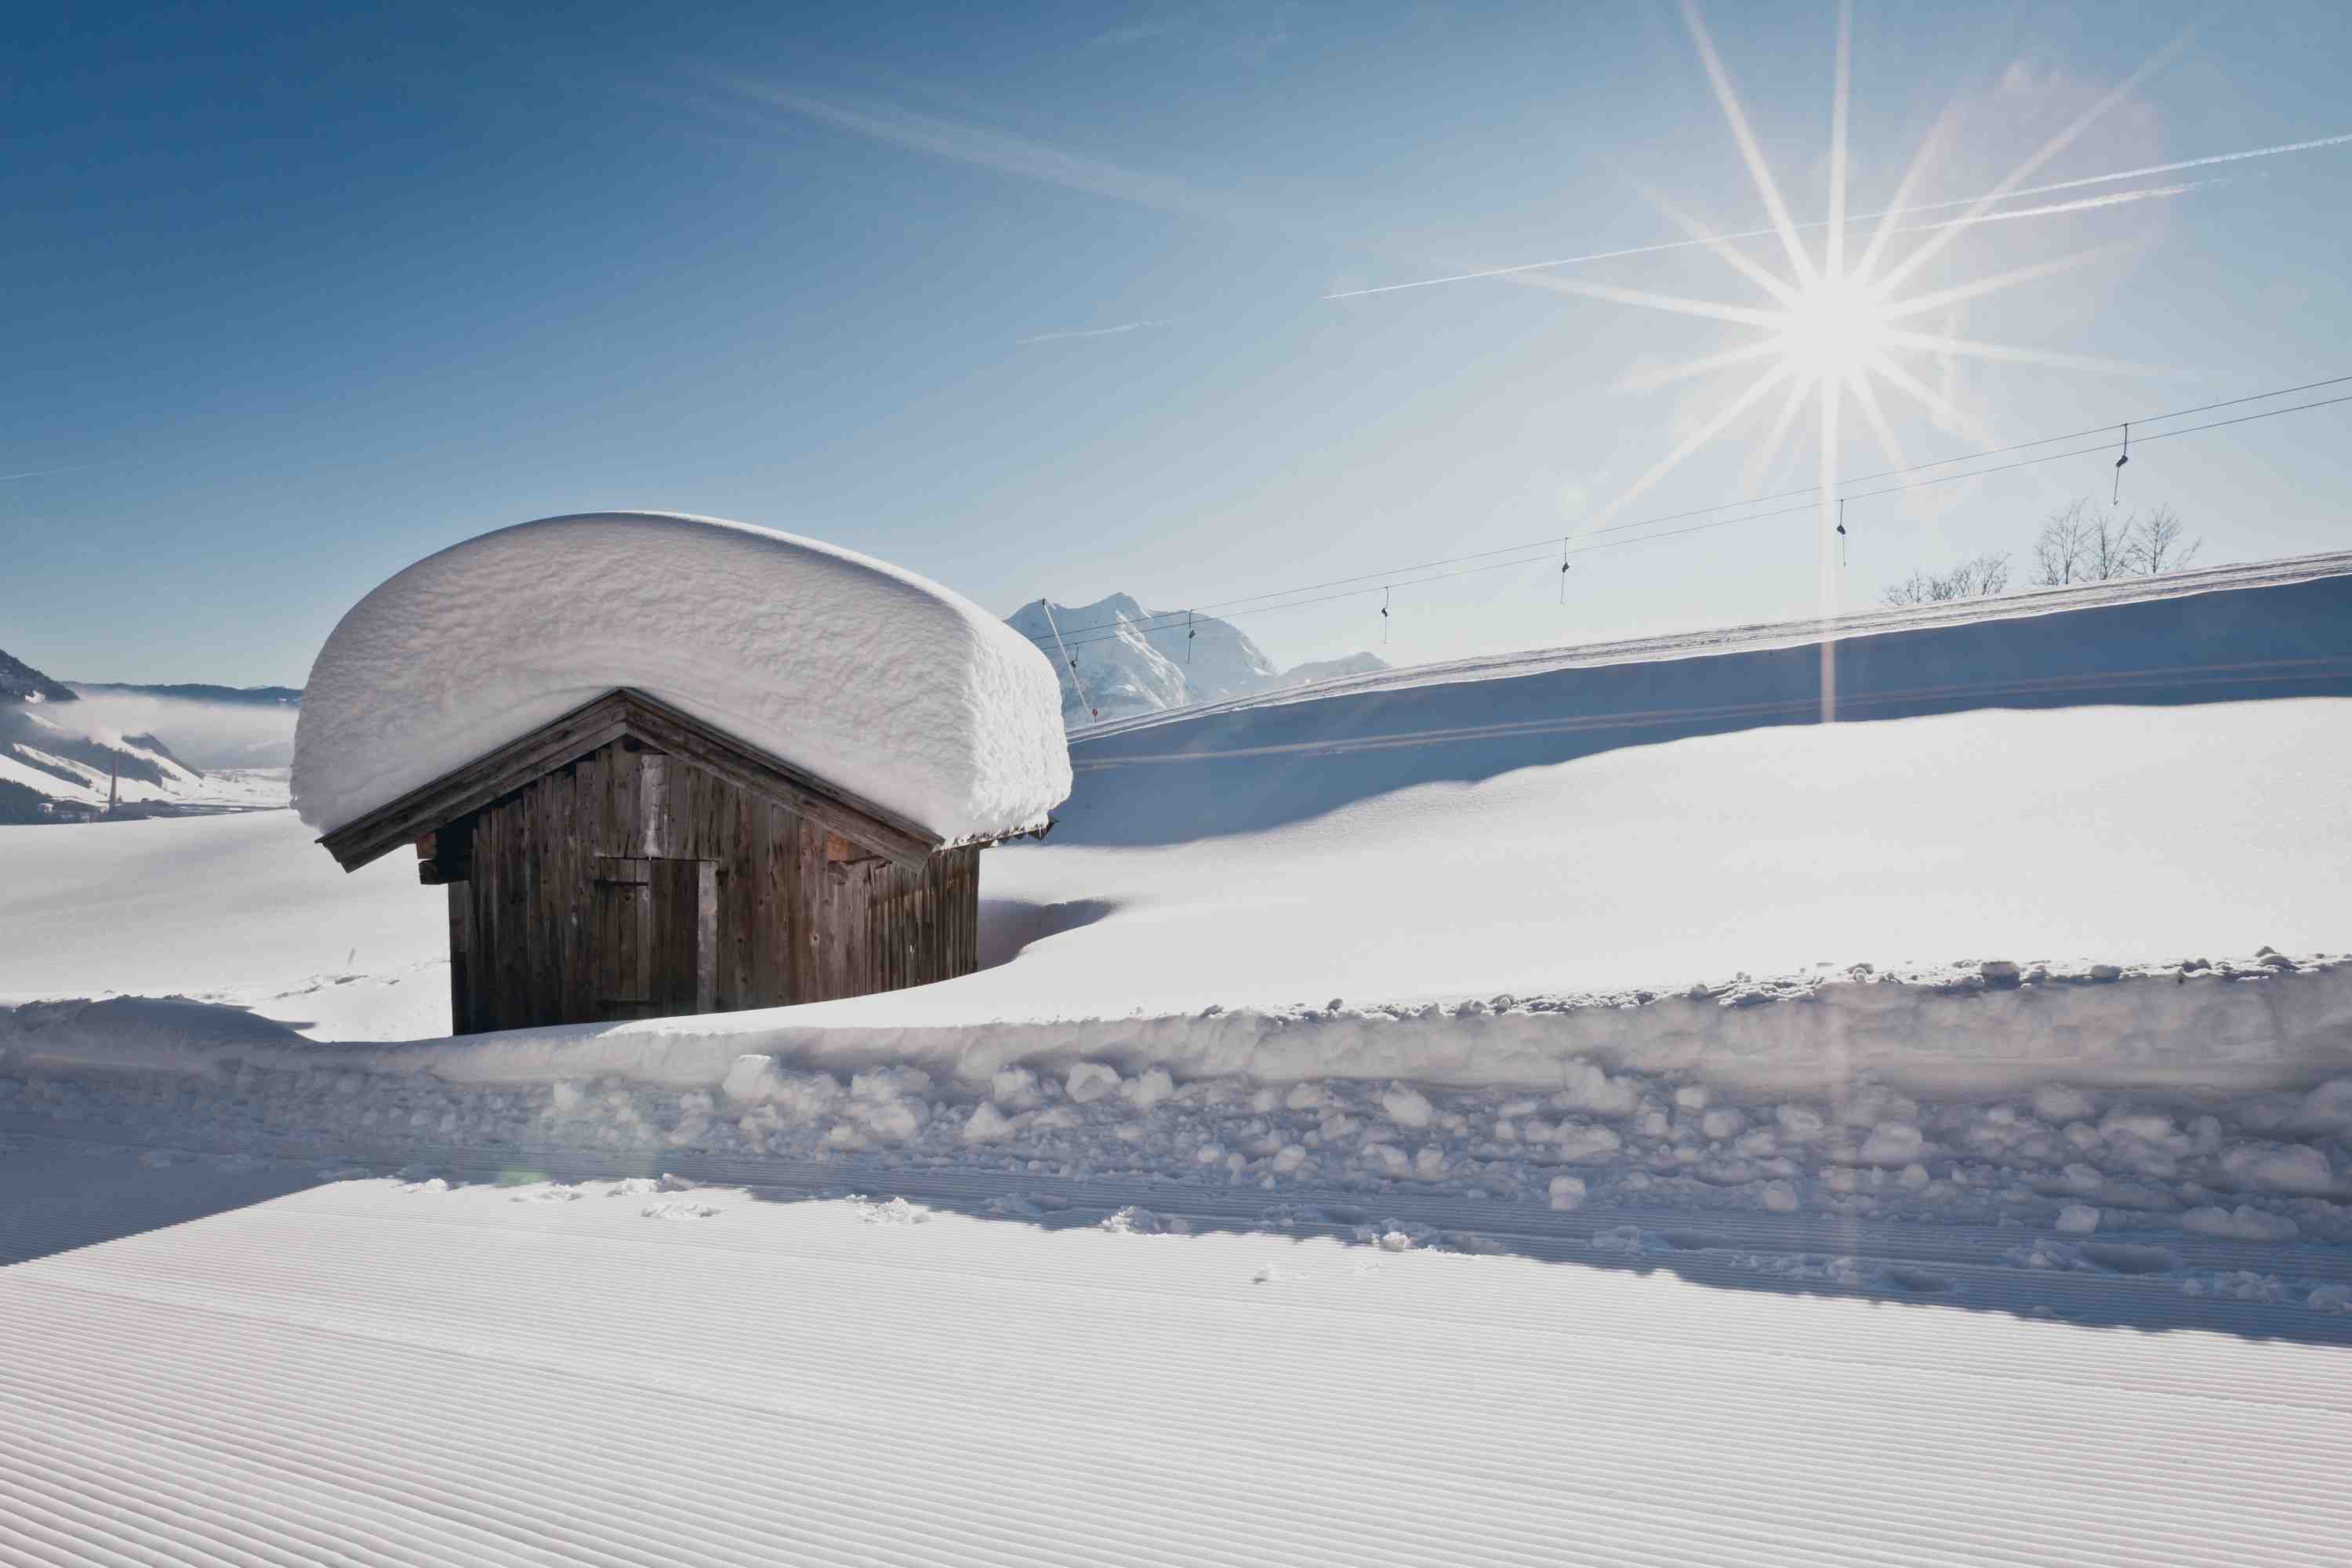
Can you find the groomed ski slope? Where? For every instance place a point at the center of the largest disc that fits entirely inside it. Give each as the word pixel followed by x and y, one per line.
pixel 377 1371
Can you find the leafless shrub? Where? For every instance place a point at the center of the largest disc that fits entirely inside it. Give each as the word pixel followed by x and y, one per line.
pixel 1972 579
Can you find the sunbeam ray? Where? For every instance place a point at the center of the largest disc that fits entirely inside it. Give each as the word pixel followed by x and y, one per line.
pixel 2010 353
pixel 1782 223
pixel 1737 260
pixel 1946 412
pixel 1889 445
pixel 1835 266
pixel 1941 133
pixel 1747 315
pixel 1760 459
pixel 1977 287
pixel 1666 376
pixel 1694 441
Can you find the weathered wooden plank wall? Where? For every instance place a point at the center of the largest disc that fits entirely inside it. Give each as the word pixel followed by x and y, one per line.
pixel 630 884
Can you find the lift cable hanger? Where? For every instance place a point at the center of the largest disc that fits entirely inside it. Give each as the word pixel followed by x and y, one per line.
pixel 2118 496
pixel 1075 684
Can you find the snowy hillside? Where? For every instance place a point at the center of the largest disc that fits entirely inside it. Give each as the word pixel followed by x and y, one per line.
pixel 62 754
pixel 20 682
pixel 1132 660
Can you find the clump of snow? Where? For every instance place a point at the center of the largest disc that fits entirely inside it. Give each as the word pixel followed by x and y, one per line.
pixel 2078 1219
pixel 2282 1167
pixel 2245 1223
pixel 988 1124
pixel 866 675
pixel 1089 1081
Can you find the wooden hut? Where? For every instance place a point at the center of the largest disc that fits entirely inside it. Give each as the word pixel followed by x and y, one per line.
pixel 630 861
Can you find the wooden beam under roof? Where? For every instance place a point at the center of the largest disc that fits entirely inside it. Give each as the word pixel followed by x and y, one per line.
pixel 625 712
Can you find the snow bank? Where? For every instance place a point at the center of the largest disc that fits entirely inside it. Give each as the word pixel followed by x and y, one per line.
pixel 2225 1025
pixel 867 675
pixel 2211 1102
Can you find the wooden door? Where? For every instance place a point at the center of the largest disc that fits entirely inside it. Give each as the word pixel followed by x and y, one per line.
pixel 655 937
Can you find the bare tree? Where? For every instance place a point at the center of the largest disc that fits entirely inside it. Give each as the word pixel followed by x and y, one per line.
pixel 1971 579
pixel 2160 546
pixel 2062 548
pixel 2110 547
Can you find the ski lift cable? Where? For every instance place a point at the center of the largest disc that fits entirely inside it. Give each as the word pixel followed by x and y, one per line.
pixel 1080 640
pixel 1075 684
pixel 1166 618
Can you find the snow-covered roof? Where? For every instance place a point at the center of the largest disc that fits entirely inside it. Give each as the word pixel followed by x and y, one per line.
pixel 875 680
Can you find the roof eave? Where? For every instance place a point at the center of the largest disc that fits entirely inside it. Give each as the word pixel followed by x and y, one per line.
pixel 619 713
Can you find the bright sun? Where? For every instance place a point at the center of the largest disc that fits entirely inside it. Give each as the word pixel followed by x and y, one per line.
pixel 1834 331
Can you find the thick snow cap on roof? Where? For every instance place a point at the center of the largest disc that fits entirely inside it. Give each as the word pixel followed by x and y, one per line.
pixel 870 678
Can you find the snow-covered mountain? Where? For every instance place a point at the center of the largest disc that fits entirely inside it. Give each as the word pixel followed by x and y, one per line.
pixel 1132 660
pixel 59 759
pixel 20 682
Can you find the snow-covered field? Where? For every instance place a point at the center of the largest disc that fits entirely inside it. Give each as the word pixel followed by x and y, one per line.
pixel 1367 1144
pixel 245 911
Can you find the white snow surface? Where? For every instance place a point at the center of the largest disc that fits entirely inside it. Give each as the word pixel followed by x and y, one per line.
pixel 869 677
pixel 274 1366
pixel 240 910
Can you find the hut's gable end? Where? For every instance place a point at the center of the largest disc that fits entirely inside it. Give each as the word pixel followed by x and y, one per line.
pixel 617 715
pixel 632 882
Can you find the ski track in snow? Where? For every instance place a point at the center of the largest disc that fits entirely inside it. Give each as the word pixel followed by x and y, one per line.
pixel 403 1370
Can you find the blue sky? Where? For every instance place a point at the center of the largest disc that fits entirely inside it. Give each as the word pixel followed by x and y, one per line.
pixel 297 298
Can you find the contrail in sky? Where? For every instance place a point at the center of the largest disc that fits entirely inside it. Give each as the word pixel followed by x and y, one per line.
pixel 1919 207
pixel 2113 199
pixel 1094 332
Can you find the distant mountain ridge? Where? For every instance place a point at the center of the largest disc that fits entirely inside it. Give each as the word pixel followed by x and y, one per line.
pixel 243 696
pixel 1132 660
